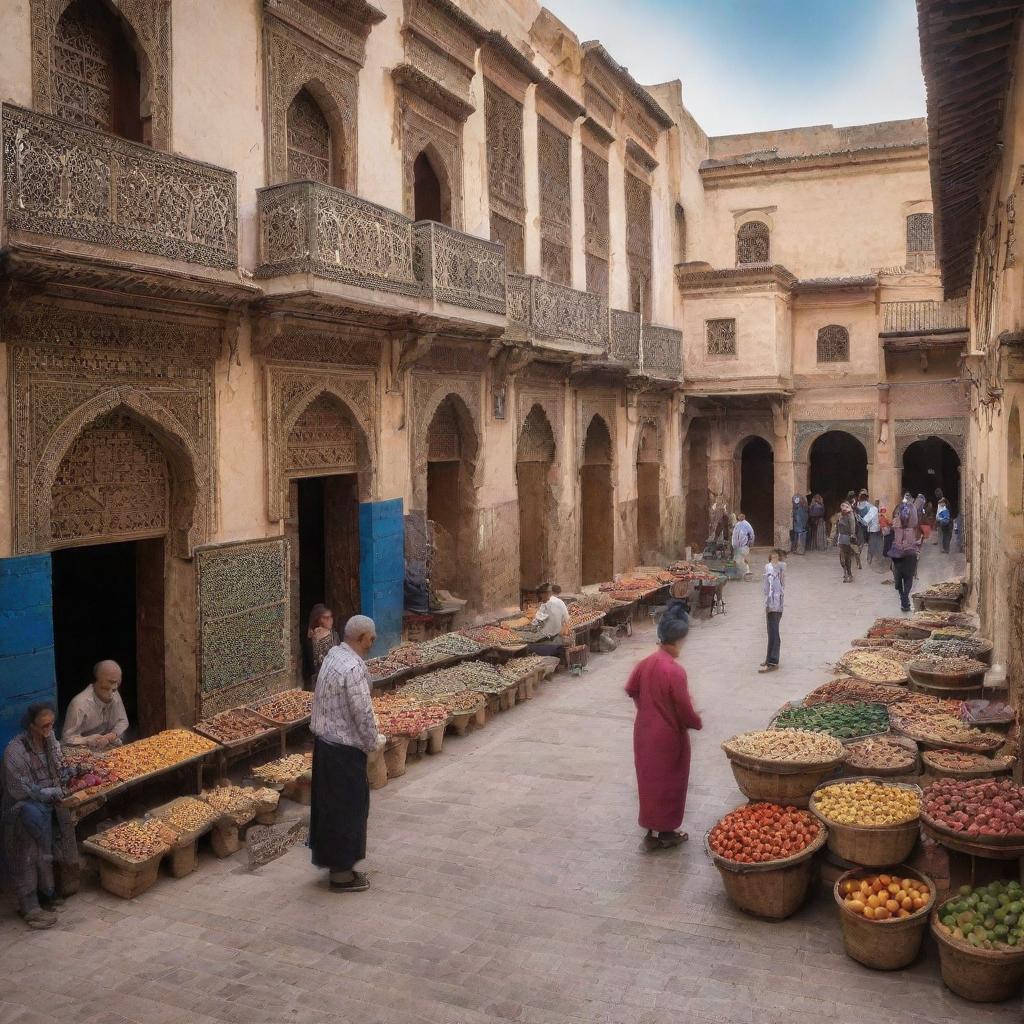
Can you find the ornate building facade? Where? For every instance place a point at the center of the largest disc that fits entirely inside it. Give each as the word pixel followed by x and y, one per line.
pixel 281 281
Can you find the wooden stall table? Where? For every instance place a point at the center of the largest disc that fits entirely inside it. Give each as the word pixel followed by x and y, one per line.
pixel 190 818
pixel 621 617
pixel 263 733
pixel 130 866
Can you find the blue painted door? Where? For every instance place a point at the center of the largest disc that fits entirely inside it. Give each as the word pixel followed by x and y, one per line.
pixel 26 639
pixel 382 569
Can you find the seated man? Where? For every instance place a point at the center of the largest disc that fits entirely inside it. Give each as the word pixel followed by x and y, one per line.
pixel 96 717
pixel 547 625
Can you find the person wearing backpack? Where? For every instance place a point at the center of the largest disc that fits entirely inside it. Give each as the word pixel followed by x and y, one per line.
pixel 906 545
pixel 944 521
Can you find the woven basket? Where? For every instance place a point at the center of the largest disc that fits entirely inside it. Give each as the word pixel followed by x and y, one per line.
pixel 923 672
pixel 435 739
pixel 884 945
pixel 129 882
pixel 934 771
pixel 911 767
pixel 775 889
pixel 867 845
pixel 899 673
pixel 980 975
pixel 376 770
pixel 395 754
pixel 772 782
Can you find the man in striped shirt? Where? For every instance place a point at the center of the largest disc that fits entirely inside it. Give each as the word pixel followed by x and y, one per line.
pixel 345 731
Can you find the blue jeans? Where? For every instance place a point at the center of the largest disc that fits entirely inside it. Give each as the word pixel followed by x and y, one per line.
pixel 774 639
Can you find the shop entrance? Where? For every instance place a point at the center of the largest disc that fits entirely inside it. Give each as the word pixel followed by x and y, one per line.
pixel 757 488
pixel 451 447
pixel 328 527
pixel 597 524
pixel 697 503
pixel 535 455
pixel 648 496
pixel 929 464
pixel 108 602
pixel 838 464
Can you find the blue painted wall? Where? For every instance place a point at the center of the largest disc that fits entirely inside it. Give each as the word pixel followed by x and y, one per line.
pixel 26 638
pixel 382 569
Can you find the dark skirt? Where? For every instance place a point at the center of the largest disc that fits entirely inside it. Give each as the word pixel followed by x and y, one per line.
pixel 339 807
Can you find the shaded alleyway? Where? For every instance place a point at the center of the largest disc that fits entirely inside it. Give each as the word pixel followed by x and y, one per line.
pixel 507 881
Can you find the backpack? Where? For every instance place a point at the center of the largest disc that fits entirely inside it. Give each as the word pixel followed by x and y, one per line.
pixel 942 515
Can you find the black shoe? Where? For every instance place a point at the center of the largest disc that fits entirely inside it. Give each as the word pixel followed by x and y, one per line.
pixel 358 883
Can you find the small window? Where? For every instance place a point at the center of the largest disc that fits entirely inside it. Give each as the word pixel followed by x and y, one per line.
pixel 752 243
pixel 833 344
pixel 309 141
pixel 721 335
pixel 920 237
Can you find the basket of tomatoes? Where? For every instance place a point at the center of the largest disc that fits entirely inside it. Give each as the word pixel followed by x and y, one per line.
pixel 764 853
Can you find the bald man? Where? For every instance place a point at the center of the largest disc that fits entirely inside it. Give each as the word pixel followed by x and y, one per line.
pixel 345 731
pixel 96 717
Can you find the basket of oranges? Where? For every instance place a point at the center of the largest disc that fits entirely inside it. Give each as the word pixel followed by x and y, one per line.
pixel 884 915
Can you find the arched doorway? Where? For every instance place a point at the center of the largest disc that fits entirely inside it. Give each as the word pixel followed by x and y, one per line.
pixel 648 495
pixel 697 503
pixel 535 455
pixel 326 461
pixel 931 464
pixel 96 80
pixel 838 465
pixel 597 521
pixel 431 197
pixel 451 458
pixel 757 488
pixel 117 495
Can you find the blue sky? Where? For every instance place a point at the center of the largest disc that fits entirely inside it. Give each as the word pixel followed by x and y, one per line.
pixel 750 65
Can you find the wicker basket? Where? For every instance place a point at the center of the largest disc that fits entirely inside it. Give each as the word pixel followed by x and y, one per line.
pixel 934 771
pixel 966 693
pixel 980 975
pixel 884 945
pixel 376 770
pixel 872 846
pixel 911 767
pixel 923 672
pixel 395 753
pixel 775 889
pixel 435 739
pixel 779 783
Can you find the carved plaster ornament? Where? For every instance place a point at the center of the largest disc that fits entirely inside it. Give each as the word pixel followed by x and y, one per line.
pixel 406 351
pixel 780 417
pixel 507 362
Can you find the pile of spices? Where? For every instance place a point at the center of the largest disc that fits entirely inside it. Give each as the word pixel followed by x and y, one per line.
pixel 850 690
pixel 450 645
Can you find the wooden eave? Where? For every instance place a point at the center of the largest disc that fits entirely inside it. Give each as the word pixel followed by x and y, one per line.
pixel 637 153
pixel 968 52
pixel 408 76
pixel 925 342
pixel 502 50
pixel 629 83
pixel 560 100
pixel 707 279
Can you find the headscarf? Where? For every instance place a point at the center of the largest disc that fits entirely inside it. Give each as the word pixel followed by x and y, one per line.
pixel 316 614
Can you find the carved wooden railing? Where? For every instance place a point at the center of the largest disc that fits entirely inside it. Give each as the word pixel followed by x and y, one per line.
pixel 925 316
pixel 461 269
pixel 624 337
pixel 317 229
pixel 554 313
pixel 662 351
pixel 79 184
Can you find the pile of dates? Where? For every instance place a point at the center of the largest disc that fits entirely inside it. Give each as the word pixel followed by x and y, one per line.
pixel 977 807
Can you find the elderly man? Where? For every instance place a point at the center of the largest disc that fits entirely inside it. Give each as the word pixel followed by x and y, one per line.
pixel 551 618
pixel 96 717
pixel 345 731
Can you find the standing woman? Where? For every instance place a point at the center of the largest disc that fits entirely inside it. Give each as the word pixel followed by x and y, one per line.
pixel 37 832
pixel 846 537
pixel 321 636
pixel 798 534
pixel 774 589
pixel 816 515
pixel 661 744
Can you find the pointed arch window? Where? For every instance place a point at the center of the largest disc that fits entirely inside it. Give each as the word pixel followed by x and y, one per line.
pixel 309 141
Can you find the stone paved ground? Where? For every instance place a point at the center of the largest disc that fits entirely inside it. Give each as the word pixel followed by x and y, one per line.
pixel 507 882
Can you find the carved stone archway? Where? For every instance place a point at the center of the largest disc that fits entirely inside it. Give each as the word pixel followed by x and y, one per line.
pixel 148 25
pixel 190 482
pixel 428 392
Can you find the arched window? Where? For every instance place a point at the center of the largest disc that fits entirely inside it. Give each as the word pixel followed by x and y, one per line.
pixel 833 344
pixel 309 141
pixel 920 237
pixel 96 79
pixel 752 243
pixel 430 199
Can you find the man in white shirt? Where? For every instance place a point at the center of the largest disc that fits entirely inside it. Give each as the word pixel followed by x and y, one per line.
pixel 551 618
pixel 96 717
pixel 742 541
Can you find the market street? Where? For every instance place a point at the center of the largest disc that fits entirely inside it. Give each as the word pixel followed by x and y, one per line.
pixel 506 879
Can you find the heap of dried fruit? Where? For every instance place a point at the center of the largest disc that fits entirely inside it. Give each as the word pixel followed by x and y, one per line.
pixel 233 726
pixel 691 571
pixel 956 646
pixel 989 917
pixel 137 840
pixel 885 897
pixel 286 707
pixel 450 645
pixel 157 753
pixel 948 590
pixel 843 720
pixel 188 814
pixel 395 720
pixel 237 802
pixel 88 771
pixel 965 761
pixel 939 665
pixel 634 585
pixel 977 807
pixel 866 803
pixel 927 726
pixel 879 752
pixel 782 745
pixel 284 769
pixel 846 690
pixel 874 667
pixel 893 629
pixel 463 703
pixel 762 832
pixel 493 636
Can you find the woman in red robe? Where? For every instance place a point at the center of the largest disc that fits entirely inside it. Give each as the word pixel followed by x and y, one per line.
pixel 661 743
